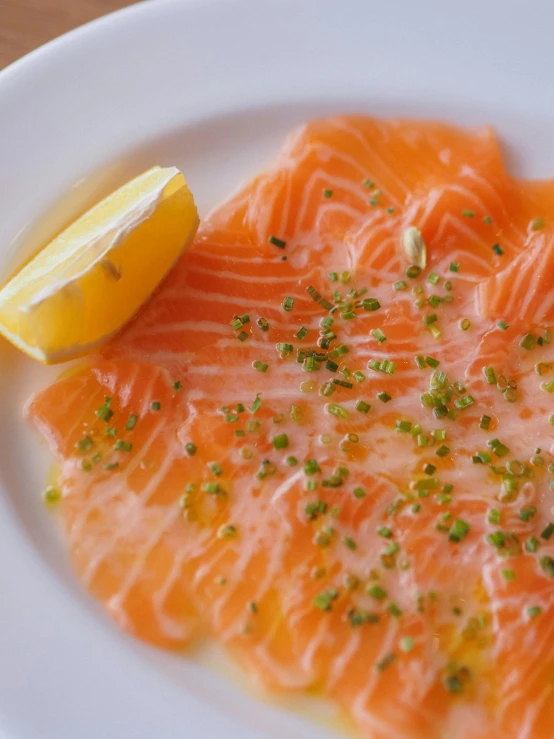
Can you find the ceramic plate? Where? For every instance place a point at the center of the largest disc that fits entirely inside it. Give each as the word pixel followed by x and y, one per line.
pixel 212 87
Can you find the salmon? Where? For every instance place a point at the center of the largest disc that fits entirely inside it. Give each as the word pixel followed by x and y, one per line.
pixel 335 463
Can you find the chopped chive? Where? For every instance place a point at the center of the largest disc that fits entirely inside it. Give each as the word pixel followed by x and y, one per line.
pixel 453 684
pixel 400 285
pixel 311 467
pixel 177 385
pixel 432 362
pixel 327 193
pixel 388 367
pixel 497 249
pixel 528 341
pixel 526 514
pixel 215 469
pixel 442 451
pixel 536 224
pixel 534 611
pixel 362 406
pixel 336 410
pixel 494 516
pixel 283 348
pixel 277 242
pixel 242 336
pixel 458 530
pixel 228 531
pixel 532 544
pixel 236 324
pixel 122 446
pixel 434 331
pixel 349 542
pixel 464 402
pixel 131 422
pixel 403 426
pixel 281 441
pixel 85 444
pixel 496 539
pixel 295 413
pixel 257 403
pixel 413 271
pixel 379 335
pixel 454 267
pixel 385 532
pixel 548 386
pixel 428 320
pixel 324 601
pixel 547 566
pixel 468 213
pixel 260 366
pixel 301 333
pixel 111 466
pixel 433 278
pixel 313 293
pixel 263 324
pixel 111 431
pixel 490 375
pixel 487 219
pixel 190 449
pixel 52 495
pixel 104 412
pixel 547 532
pixel 386 662
pixel 465 323
pixel 499 449
pixel 371 304
pixel 288 304
pixel 384 397
pixel 502 325
pixel 156 405
pixel 377 592
pixel 343 383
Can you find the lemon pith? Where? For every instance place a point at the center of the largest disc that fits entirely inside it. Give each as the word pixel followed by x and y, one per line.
pixel 91 279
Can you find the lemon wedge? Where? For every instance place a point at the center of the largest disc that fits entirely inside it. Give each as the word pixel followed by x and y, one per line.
pixel 92 278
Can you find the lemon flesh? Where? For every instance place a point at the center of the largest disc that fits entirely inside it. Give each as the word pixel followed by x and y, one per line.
pixel 92 278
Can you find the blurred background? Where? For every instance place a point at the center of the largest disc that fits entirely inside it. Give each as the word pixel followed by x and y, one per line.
pixel 26 24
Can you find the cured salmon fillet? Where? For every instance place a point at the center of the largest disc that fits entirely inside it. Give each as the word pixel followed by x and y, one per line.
pixel 350 487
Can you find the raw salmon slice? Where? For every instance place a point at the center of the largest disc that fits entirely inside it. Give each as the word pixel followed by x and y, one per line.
pixel 338 466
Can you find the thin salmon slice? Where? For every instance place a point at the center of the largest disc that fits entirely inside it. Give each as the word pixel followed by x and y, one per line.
pixel 350 486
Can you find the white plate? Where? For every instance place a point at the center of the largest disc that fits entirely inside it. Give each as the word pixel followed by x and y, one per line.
pixel 212 87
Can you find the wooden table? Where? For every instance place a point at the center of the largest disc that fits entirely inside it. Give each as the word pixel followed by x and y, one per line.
pixel 26 24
